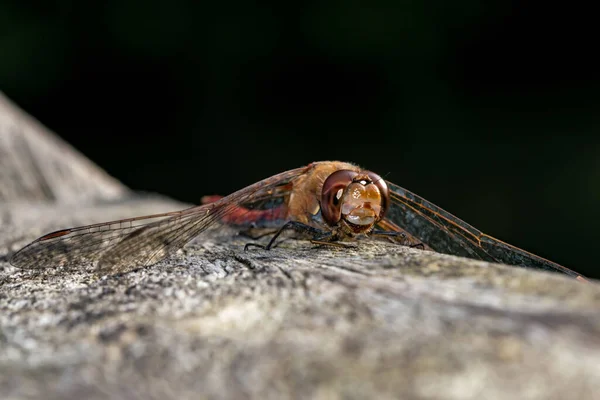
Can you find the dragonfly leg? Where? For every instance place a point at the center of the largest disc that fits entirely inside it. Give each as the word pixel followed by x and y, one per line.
pixel 329 238
pixel 398 235
pixel 394 234
pixel 291 225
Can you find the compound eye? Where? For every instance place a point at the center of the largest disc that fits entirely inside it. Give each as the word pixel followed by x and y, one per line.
pixel 332 193
pixel 383 191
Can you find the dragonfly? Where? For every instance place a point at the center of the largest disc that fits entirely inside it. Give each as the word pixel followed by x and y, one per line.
pixel 331 201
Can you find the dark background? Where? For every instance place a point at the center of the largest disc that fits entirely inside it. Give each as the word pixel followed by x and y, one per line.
pixel 489 109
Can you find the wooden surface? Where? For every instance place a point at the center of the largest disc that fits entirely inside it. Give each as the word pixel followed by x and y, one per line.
pixel 379 321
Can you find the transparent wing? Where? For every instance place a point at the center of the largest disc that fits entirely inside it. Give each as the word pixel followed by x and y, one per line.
pixel 441 231
pixel 265 209
pixel 123 245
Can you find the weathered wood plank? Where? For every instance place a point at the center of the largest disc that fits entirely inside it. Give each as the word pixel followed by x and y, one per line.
pixel 379 321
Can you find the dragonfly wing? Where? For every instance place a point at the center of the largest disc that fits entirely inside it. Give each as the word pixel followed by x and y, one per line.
pixel 109 245
pixel 436 228
pixel 265 209
pixel 124 245
pixel 445 233
pixel 154 242
pixel 509 254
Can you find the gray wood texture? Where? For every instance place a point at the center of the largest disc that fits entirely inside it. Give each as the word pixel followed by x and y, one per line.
pixel 378 321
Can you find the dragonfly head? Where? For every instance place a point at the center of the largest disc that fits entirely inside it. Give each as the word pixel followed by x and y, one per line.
pixel 357 200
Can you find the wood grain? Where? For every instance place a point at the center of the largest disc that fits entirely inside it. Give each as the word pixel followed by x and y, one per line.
pixel 379 321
